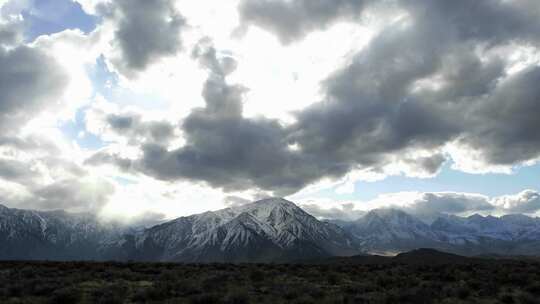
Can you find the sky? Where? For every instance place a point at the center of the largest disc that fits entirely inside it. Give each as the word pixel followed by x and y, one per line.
pixel 164 108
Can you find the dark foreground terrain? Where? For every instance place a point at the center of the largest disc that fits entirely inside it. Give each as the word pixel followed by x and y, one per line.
pixel 418 277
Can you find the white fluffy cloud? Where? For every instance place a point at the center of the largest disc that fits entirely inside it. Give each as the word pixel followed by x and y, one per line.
pixel 428 204
pixel 527 201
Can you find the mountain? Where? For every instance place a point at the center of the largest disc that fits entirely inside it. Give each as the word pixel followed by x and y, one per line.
pixel 270 230
pixel 267 230
pixel 390 231
pixel 53 235
pixel 420 256
pixel 429 256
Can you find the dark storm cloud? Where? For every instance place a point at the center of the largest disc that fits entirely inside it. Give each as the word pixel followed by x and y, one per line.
pixel 376 107
pixel 492 19
pixel 227 150
pixel 432 164
pixel 132 126
pixel 437 77
pixel 224 149
pixel 527 201
pixel 368 113
pixel 147 30
pixel 30 80
pixel 293 20
pixel 505 125
pixel 450 203
pixel 483 20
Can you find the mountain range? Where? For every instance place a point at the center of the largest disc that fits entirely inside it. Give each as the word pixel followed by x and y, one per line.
pixel 269 230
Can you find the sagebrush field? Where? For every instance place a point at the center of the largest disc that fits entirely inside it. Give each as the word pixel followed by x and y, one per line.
pixel 491 281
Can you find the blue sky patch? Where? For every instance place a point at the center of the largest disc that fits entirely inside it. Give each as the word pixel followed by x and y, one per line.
pixel 46 17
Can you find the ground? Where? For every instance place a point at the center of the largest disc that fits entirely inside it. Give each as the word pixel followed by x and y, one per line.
pixel 493 281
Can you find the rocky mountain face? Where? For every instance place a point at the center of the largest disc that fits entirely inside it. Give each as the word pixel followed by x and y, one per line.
pixel 54 235
pixel 391 231
pixel 388 231
pixel 270 230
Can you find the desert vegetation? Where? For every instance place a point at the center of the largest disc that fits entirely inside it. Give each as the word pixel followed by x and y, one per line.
pixel 509 281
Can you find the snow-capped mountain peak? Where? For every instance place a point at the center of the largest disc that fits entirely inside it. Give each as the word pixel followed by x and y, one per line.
pixel 268 229
pixel 272 229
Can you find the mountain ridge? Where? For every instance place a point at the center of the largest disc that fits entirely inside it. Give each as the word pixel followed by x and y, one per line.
pixel 269 230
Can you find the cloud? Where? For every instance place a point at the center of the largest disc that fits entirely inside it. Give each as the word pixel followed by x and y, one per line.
pixel 368 115
pixel 436 78
pixel 90 6
pixel 75 195
pixel 14 170
pixel 13 7
pixel 147 219
pixel 101 158
pixel 293 20
pixel 72 194
pixel 235 201
pixel 345 212
pixel 493 20
pixel 527 201
pixel 145 32
pixel 30 82
pixel 449 203
pixel 131 126
pixel 427 205
pixel 159 131
pixel 35 173
pixel 419 85
pixel 222 147
pixel 11 31
pixel 495 131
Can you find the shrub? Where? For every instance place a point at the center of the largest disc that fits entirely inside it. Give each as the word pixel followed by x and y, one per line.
pixel 527 298
pixel 534 288
pixel 111 294
pixel 67 295
pixel 463 292
pixel 237 297
pixel 257 276
pixel 333 278
pixel 205 299
pixel 506 298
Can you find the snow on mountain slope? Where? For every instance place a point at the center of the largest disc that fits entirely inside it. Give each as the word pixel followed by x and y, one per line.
pixel 269 229
pixel 390 230
pixel 28 234
pixel 506 228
